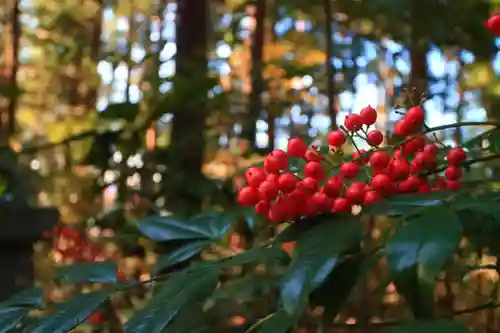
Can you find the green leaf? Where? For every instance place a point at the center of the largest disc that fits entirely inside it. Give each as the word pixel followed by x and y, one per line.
pixel 104 272
pixel 418 251
pixel 247 287
pixel 434 326
pixel 69 314
pixel 32 297
pixel 258 254
pixel 10 317
pixel 408 203
pixel 278 322
pixel 125 111
pixel 210 225
pixel 316 253
pixel 181 254
pixel 192 284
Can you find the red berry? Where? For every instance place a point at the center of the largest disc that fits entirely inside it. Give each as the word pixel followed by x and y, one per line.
pixel 297 147
pixel 493 25
pixel 314 170
pixel 333 186
pixel 355 192
pixel 248 196
pixel 440 182
pixel 282 156
pixel 255 176
pixel 431 149
pixel 455 156
pixel 453 173
pixel 287 182
pixel 399 169
pixel 268 190
pixel 414 145
pixel 310 207
pixel 412 183
pixel 273 177
pixel 424 188
pixel 275 213
pixel 371 197
pixel 369 115
pixel 341 205
pixel 95 318
pixel 272 164
pixel 296 197
pixel 349 170
pixel 353 122
pixel 357 155
pixel 336 138
pixel 379 160
pixel 262 208
pixel 381 182
pixel 323 202
pixel 402 128
pixel 415 117
pixel 453 185
pixel 308 184
pixel 374 138
pixel 312 154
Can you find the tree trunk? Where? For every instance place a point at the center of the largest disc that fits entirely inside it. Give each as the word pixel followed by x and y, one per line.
pixel 190 86
pixel 330 83
pixel 255 101
pixel 419 46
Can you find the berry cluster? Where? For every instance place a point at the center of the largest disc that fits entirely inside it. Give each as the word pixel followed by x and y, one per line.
pixel 409 167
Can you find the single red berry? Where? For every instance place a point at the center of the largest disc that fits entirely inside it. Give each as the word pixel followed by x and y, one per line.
pixel 381 182
pixel 341 205
pixel 310 207
pixel 455 156
pixel 273 177
pixel 248 196
pixel 275 213
pixel 355 192
pixel 371 197
pixel 353 122
pixel 399 169
pixel 268 190
pixel 323 202
pixel 402 128
pixel 297 147
pixel 95 318
pixel 314 170
pixel 336 138
pixel 369 115
pixel 453 173
pixel 493 25
pixel 262 208
pixel 312 154
pixel 282 156
pixel 349 170
pixel 308 184
pixel 287 182
pixel 357 155
pixel 453 185
pixel 413 146
pixel 440 182
pixel 333 186
pixel 296 197
pixel 424 188
pixel 374 138
pixel 272 164
pixel 431 149
pixel 255 176
pixel 415 117
pixel 411 184
pixel 379 160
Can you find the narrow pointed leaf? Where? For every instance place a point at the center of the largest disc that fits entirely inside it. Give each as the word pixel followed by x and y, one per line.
pixel 10 317
pixel 418 251
pixel 258 254
pixel 70 314
pixel 181 254
pixel 104 272
pixel 32 297
pixel 278 322
pixel 193 284
pixel 316 253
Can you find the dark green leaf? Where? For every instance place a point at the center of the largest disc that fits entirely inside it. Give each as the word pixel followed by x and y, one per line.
pixel 247 287
pixel 104 272
pixel 181 254
pixel 10 317
pixel 125 111
pixel 434 326
pixel 32 297
pixel 418 251
pixel 183 287
pixel 256 255
pixel 70 314
pixel 190 319
pixel 278 322
pixel 317 251
pixel 408 203
pixel 211 225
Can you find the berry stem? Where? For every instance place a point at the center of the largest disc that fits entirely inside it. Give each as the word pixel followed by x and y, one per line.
pixel 349 134
pixel 466 163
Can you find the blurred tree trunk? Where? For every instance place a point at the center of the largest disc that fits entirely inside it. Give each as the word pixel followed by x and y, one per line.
pixel 190 86
pixel 419 45
pixel 9 75
pixel 255 100
pixel 330 83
